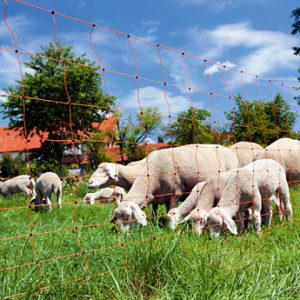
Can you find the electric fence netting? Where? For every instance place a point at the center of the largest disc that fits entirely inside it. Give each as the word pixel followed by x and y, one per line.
pixel 42 252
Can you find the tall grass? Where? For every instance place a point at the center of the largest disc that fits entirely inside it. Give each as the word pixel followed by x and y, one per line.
pixel 96 262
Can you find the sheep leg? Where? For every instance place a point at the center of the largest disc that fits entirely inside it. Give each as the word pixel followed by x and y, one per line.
pixel 278 208
pixel 154 210
pixel 266 213
pixel 49 204
pixel 284 195
pixel 59 203
pixel 257 212
pixel 168 206
pixel 28 192
pixel 239 220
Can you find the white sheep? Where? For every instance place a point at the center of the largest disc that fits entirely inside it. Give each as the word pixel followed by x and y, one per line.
pixel 285 151
pixel 171 173
pixel 19 184
pixel 245 152
pixel 204 196
pixel 106 195
pixel 111 173
pixel 250 187
pixel 47 184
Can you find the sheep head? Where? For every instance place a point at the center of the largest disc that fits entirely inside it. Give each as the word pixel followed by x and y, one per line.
pixel 118 196
pixel 174 218
pixel 216 219
pixel 105 175
pixel 126 214
pixel 199 218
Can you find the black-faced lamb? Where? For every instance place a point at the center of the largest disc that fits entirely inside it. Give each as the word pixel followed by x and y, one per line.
pixel 19 184
pixel 171 173
pixel 250 187
pixel 47 184
pixel 110 195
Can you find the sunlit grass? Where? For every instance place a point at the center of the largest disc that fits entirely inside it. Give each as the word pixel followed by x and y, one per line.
pixel 76 253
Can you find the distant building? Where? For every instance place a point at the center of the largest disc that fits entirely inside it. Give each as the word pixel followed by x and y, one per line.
pixel 13 143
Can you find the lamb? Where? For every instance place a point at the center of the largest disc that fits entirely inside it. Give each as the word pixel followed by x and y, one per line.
pixel 169 174
pixel 250 187
pixel 108 194
pixel 47 184
pixel 245 152
pixel 177 215
pixel 285 151
pixel 111 173
pixel 203 197
pixel 19 184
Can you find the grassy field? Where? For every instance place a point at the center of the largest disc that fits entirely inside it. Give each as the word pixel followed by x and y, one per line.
pixel 76 253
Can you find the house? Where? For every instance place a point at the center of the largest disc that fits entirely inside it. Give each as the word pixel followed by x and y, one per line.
pixel 12 142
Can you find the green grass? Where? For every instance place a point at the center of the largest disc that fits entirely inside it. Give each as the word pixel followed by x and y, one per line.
pixel 96 262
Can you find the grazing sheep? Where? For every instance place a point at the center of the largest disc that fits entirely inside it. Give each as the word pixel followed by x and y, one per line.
pixel 205 195
pixel 170 173
pixel 108 194
pixel 285 151
pixel 47 184
pixel 177 215
pixel 19 184
pixel 138 162
pixel 111 173
pixel 245 152
pixel 250 187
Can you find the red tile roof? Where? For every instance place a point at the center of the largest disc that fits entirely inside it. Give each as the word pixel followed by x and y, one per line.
pixel 12 141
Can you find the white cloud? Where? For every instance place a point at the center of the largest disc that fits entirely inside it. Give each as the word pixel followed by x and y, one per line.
pixel 152 96
pixel 259 52
pixel 217 67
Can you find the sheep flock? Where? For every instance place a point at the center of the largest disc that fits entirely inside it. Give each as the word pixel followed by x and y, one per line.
pixel 213 187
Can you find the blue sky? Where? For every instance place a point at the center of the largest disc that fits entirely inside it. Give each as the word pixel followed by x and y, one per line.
pixel 248 35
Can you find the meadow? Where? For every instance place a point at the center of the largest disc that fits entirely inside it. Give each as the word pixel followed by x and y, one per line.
pixel 76 253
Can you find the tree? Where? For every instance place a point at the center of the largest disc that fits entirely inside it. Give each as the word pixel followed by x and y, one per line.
pixel 296 27
pixel 132 133
pixel 12 166
pixel 261 122
pixel 72 85
pixel 189 128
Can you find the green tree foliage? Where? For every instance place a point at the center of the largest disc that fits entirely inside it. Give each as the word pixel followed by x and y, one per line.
pixel 296 27
pixel 57 74
pixel 190 128
pixel 132 133
pixel 261 122
pixel 296 30
pixel 11 167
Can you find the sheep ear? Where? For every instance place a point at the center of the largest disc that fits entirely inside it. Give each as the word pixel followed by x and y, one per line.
pixel 231 226
pixel 113 171
pixel 139 215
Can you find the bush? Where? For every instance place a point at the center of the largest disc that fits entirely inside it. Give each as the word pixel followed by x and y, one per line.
pixel 11 167
pixel 51 165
